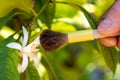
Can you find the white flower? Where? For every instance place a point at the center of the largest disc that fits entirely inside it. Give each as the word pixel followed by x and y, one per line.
pixel 26 51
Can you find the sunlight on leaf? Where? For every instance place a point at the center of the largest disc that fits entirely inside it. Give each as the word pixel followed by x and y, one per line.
pixel 88 16
pixel 5 8
pixel 6 32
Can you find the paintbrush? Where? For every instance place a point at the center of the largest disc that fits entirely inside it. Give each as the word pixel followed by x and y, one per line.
pixel 51 40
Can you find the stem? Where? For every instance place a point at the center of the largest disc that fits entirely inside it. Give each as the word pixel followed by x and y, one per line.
pixel 68 3
pixel 34 13
pixel 44 56
pixel 60 2
pixel 41 10
pixel 44 6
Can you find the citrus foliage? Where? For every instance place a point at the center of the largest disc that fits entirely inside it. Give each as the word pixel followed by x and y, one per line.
pixel 60 15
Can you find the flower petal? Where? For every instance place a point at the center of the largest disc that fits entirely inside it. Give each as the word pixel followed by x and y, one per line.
pixel 34 58
pixel 25 36
pixel 14 45
pixel 19 68
pixel 24 62
pixel 36 61
pixel 35 42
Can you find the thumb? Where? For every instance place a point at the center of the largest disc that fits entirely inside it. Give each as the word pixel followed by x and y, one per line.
pixel 111 23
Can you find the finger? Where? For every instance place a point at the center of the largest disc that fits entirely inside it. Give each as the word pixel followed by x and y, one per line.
pixel 112 41
pixel 111 22
pixel 118 44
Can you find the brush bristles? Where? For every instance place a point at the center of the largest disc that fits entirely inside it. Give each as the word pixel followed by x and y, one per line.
pixel 51 40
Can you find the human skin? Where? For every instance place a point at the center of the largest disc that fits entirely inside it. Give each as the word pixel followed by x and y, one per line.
pixel 110 24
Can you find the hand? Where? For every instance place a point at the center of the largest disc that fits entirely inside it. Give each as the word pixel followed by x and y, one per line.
pixel 110 25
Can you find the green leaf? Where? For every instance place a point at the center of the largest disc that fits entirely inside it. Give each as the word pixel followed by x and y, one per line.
pixel 49 61
pixel 67 11
pixel 88 16
pixel 5 8
pixel 110 55
pixel 46 11
pixel 6 18
pixel 32 73
pixel 8 61
pixel 78 2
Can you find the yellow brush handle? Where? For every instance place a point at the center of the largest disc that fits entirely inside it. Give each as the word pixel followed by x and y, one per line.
pixel 85 35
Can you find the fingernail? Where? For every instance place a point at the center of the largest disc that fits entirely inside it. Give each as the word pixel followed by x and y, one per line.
pixel 105 25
